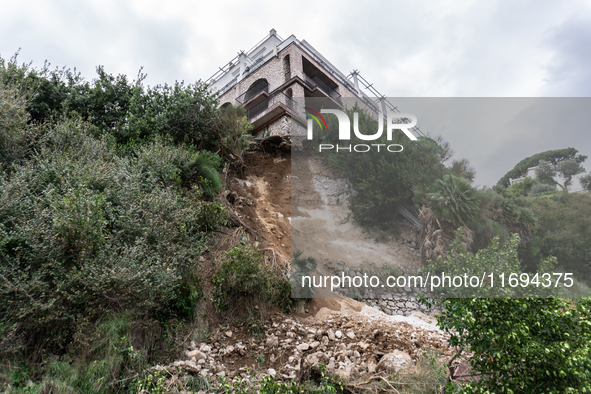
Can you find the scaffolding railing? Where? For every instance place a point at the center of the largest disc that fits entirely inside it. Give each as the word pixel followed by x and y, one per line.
pixel 379 99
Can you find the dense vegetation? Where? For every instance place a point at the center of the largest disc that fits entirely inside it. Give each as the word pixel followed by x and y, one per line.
pixel 107 202
pixel 538 345
pixel 521 339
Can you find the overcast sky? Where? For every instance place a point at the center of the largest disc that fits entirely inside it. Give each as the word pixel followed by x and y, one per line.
pixel 407 49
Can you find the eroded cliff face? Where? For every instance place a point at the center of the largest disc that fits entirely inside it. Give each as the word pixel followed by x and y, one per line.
pixel 351 338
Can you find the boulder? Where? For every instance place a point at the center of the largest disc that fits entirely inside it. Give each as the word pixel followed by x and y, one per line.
pixel 394 362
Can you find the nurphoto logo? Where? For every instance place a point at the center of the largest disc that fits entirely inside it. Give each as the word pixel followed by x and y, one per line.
pixel 394 121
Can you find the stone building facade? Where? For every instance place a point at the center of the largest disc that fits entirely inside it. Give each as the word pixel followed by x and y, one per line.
pixel 274 79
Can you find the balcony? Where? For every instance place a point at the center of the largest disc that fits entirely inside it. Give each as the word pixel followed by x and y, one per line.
pixel 269 108
pixel 316 82
pixel 260 86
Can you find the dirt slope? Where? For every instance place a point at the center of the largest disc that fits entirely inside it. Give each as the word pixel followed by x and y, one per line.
pixel 348 336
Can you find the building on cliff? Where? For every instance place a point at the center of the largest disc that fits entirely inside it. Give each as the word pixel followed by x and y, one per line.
pixel 274 79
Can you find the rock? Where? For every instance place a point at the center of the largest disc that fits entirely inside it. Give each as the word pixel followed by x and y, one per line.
pixel 205 348
pixel 229 350
pixel 348 372
pixel 338 334
pixel 191 367
pixel 303 347
pixel 330 367
pixel 350 334
pixel 312 359
pixel 319 334
pixel 228 334
pixel 197 354
pixel 272 341
pixel 271 372
pixel 394 362
pixel 331 334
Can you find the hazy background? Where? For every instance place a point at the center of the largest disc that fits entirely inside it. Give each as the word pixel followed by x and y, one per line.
pixel 406 49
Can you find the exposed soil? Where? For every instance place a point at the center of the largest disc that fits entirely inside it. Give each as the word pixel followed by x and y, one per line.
pixel 261 196
pixel 260 200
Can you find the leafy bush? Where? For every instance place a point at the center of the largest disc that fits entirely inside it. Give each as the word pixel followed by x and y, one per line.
pixel 109 345
pixel 179 165
pixel 563 229
pixel 542 188
pixel 84 231
pixel 301 266
pixel 242 275
pixel 16 135
pixel 117 107
pixel 232 127
pixel 495 259
pixel 522 345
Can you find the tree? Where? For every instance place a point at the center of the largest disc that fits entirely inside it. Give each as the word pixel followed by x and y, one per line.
pixel 546 172
pixel 232 127
pixel 563 229
pixel 553 156
pixel 453 199
pixel 117 106
pixel 461 168
pixel 515 343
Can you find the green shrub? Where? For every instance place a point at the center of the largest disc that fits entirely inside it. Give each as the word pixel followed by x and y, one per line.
pixel 542 188
pixel 242 275
pixel 16 135
pixel 453 199
pixel 84 231
pixel 522 345
pixel 161 161
pixel 110 356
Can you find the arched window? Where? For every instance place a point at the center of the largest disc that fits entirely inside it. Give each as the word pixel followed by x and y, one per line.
pixel 257 87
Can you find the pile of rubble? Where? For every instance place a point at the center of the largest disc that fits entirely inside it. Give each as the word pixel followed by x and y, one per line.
pixel 349 343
